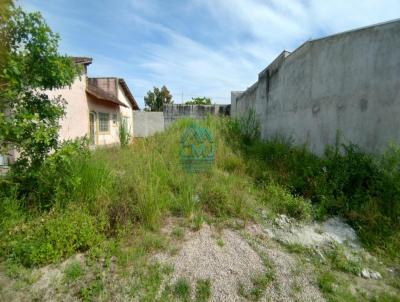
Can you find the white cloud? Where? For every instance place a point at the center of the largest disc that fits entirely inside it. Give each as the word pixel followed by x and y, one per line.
pixel 271 27
pixel 205 47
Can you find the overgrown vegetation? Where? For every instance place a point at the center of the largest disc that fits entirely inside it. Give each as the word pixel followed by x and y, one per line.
pixel 361 187
pixel 83 198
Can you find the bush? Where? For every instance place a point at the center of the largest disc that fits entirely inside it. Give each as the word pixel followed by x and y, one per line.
pixel 54 236
pixel 71 174
pixel 283 202
pixel 53 180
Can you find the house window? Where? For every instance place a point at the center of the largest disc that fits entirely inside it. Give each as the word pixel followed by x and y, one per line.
pixel 114 119
pixel 104 122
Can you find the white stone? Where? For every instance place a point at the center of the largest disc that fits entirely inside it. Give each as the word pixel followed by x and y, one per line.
pixel 365 274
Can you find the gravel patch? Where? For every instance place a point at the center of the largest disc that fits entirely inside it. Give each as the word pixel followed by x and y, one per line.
pixel 201 257
pixel 292 282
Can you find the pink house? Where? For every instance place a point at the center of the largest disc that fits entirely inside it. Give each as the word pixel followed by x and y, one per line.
pixel 96 106
pixel 95 109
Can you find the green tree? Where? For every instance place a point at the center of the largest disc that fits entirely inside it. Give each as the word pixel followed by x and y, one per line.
pixel 156 99
pixel 30 64
pixel 199 101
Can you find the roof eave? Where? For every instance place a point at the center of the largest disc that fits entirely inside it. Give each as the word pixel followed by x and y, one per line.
pixel 102 95
pixel 128 94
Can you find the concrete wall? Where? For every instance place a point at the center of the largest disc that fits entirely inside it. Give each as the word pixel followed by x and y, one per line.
pixel 173 112
pixel 348 82
pixel 147 123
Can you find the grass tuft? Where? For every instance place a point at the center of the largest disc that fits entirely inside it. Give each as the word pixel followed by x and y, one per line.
pixel 182 289
pixel 203 290
pixel 73 271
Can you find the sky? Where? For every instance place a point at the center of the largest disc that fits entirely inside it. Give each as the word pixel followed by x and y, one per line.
pixel 197 47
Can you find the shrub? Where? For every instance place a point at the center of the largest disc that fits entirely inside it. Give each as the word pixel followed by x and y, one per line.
pixel 55 236
pixel 123 132
pixel 54 180
pixel 283 202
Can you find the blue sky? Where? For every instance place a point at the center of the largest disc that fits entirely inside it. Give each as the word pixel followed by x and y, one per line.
pixel 197 47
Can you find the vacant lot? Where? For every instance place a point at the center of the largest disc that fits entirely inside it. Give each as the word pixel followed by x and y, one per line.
pixel 268 222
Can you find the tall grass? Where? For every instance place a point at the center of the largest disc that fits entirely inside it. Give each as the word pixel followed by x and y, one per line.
pixel 120 189
pixel 83 199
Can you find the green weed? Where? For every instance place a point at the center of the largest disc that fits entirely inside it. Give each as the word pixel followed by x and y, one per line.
pixel 147 282
pixel 326 282
pixel 203 290
pixel 73 271
pixel 220 242
pixel 340 262
pixel 92 290
pixel 335 289
pixel 182 289
pixel 178 232
pixel 283 202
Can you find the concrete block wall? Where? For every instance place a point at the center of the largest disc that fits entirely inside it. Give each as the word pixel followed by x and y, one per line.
pixel 348 82
pixel 172 112
pixel 147 123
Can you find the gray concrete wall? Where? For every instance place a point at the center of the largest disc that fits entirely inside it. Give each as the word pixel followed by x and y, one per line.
pixel 348 82
pixel 172 112
pixel 147 123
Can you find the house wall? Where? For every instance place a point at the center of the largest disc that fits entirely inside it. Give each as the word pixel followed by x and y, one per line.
pixel 126 111
pixel 348 82
pixel 76 121
pixel 80 104
pixel 112 136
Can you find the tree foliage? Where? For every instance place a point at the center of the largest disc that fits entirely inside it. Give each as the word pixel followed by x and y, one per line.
pixel 199 101
pixel 30 63
pixel 156 99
